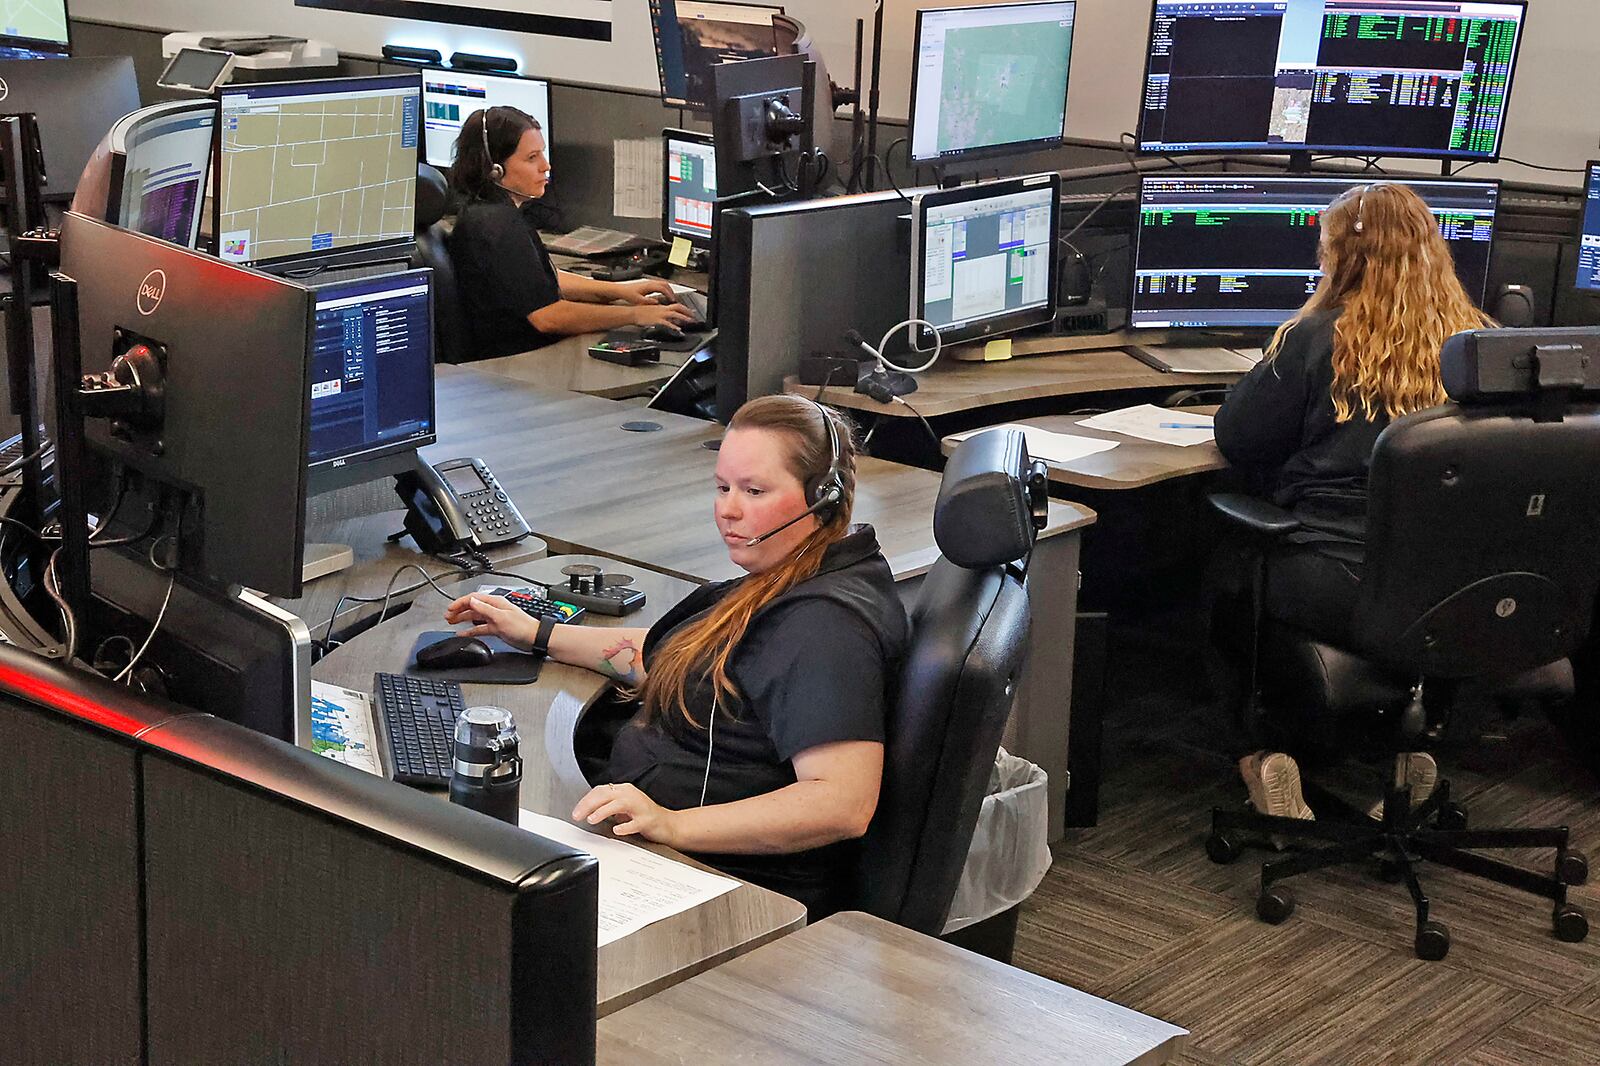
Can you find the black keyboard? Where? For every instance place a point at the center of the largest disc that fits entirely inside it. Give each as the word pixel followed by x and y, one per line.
pixel 419 717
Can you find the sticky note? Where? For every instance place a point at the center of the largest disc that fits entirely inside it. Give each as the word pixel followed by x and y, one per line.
pixel 997 350
pixel 679 256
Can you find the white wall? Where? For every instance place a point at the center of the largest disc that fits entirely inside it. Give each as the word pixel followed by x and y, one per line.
pixel 1553 117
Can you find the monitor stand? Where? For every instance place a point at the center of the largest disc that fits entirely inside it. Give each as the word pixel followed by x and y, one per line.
pixel 320 560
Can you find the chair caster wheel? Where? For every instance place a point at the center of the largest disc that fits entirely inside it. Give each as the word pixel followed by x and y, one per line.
pixel 1572 868
pixel 1274 906
pixel 1452 817
pixel 1433 941
pixel 1569 923
pixel 1391 872
pixel 1222 849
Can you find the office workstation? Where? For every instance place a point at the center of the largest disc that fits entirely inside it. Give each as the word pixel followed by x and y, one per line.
pixel 536 532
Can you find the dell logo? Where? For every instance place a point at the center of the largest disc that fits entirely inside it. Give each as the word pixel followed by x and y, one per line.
pixel 151 289
pixel 5 89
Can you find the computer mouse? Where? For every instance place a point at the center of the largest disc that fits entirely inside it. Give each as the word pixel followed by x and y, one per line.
pixel 697 326
pixel 663 333
pixel 454 653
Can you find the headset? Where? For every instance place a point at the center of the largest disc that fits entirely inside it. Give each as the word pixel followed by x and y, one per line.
pixel 1361 204
pixel 497 172
pixel 826 493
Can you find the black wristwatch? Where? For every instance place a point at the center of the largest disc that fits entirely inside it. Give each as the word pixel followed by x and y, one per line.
pixel 541 642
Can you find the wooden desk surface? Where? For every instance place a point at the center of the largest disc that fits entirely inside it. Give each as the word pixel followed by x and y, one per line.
pixel 568 365
pixel 952 386
pixel 547 713
pixel 1133 463
pixel 854 989
pixel 587 485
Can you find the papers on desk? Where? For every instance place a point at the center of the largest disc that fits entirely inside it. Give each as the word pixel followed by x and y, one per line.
pixel 1149 422
pixel 342 727
pixel 1058 448
pixel 637 887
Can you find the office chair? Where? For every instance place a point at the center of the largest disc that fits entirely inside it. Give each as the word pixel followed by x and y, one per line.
pixel 1482 560
pixel 969 633
pixel 433 250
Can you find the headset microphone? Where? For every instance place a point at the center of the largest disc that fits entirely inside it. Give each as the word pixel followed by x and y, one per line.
pixel 828 490
pixel 828 500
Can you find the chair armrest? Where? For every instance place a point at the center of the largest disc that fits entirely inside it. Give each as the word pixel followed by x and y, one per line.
pixel 1255 514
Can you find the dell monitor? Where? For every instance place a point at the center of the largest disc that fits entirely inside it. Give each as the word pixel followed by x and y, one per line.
pixel 693 36
pixel 371 379
pixel 449 97
pixel 1232 252
pixel 990 80
pixel 983 258
pixel 160 160
pixel 34 29
pixel 76 101
pixel 1589 240
pixel 308 170
pixel 1364 77
pixel 689 186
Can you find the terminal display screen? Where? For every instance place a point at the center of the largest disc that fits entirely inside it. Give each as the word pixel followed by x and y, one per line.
pixel 1381 77
pixel 164 175
pixel 1221 251
pixel 1589 240
pixel 449 97
pixel 689 195
pixel 308 168
pixel 692 36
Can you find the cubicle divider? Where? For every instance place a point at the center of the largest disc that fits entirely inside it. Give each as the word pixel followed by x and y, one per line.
pixel 192 891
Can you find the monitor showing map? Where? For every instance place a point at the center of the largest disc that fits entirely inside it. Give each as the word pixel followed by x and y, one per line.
pixel 990 80
pixel 307 169
pixel 34 27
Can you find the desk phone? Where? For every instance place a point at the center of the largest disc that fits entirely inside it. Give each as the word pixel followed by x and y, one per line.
pixel 458 503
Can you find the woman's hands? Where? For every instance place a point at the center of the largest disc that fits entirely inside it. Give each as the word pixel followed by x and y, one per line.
pixel 644 291
pixel 635 813
pixel 493 616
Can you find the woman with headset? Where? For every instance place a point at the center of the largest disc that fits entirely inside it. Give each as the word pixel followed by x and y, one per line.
pixel 757 745
pixel 1364 350
pixel 514 297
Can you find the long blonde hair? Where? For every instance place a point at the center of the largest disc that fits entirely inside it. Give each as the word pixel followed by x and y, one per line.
pixel 706 644
pixel 1388 273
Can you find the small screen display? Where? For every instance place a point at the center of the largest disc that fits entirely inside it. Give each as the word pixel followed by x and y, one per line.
pixel 194 68
pixel 1589 241
pixel 691 188
pixel 464 480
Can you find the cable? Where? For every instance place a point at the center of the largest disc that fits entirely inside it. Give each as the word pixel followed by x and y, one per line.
pixel 1539 166
pixel 69 623
pixel 328 643
pixel 938 346
pixel 37 453
pixel 127 671
pixel 931 434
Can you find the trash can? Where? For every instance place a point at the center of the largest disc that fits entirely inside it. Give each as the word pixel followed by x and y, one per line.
pixel 1009 853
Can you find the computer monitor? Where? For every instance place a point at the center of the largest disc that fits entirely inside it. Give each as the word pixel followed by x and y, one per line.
pixel 1589 240
pixel 1226 251
pixel 160 160
pixel 450 96
pixel 990 80
pixel 309 169
pixel 1368 77
pixel 371 378
pixel 692 36
pixel 760 120
pixel 689 186
pixel 983 258
pixel 36 27
pixel 77 101
pixel 225 446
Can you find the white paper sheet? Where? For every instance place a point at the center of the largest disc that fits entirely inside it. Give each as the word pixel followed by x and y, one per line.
pixel 637 887
pixel 1051 447
pixel 342 727
pixel 1149 422
pixel 636 178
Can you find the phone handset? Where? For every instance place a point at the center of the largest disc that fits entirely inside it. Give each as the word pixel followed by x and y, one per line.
pixel 457 504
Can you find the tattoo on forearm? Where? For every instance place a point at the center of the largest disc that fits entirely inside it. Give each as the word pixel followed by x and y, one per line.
pixel 621 661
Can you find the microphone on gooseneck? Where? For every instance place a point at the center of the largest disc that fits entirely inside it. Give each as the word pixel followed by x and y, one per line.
pixel 857 340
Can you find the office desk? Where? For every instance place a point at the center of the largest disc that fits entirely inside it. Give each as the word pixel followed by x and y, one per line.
pixel 547 713
pixel 854 989
pixel 567 365
pixel 1132 464
pixel 586 485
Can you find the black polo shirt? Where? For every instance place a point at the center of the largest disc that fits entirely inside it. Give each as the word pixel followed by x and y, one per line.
pixel 817 665
pixel 503 274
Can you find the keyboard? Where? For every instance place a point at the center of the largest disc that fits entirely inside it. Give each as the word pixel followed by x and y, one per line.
pixel 535 604
pixel 587 241
pixel 419 718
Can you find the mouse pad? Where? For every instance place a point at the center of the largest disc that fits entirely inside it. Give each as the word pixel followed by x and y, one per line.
pixel 508 667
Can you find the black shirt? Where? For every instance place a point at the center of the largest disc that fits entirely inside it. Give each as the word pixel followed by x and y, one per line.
pixel 503 274
pixel 1280 418
pixel 817 665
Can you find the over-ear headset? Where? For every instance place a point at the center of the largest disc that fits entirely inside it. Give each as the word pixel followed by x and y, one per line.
pixel 497 173
pixel 1361 205
pixel 826 493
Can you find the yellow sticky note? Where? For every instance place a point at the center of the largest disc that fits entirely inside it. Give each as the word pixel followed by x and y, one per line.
pixel 997 350
pixel 679 256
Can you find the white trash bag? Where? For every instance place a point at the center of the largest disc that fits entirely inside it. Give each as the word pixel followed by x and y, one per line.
pixel 1010 851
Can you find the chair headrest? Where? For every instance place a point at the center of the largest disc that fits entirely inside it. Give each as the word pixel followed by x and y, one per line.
pixel 1510 365
pixel 433 196
pixel 992 501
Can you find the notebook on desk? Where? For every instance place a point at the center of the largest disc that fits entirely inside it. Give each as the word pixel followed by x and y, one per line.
pixel 1196 360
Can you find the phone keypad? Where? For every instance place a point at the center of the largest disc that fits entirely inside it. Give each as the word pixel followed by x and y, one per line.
pixel 491 512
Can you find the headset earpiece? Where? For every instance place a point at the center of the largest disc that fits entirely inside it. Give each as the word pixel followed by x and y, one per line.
pixel 827 492
pixel 497 173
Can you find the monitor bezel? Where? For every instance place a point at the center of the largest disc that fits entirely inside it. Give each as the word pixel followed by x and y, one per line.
pixel 314 260
pixel 549 105
pixel 46 48
pixel 669 135
pixel 1377 151
pixel 1591 176
pixel 382 460
pixel 661 70
pixel 989 151
pixel 997 325
pixel 1133 251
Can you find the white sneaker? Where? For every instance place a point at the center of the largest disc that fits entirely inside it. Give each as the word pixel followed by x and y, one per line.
pixel 1273 780
pixel 1414 768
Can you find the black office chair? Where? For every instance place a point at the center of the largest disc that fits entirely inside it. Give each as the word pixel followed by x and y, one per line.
pixel 452 344
pixel 1482 561
pixel 969 633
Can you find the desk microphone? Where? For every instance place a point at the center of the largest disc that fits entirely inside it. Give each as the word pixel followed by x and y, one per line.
pixel 829 498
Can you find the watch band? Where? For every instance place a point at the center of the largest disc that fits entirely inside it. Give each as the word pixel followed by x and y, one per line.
pixel 541 643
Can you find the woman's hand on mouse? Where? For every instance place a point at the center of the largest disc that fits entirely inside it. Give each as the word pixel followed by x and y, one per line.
pixel 493 616
pixel 646 291
pixel 631 811
pixel 654 314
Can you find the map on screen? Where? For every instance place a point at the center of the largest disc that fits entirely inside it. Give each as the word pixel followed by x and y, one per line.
pixel 997 77
pixel 34 20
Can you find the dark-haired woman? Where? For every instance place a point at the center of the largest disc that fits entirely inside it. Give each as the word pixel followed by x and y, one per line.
pixel 758 744
pixel 514 298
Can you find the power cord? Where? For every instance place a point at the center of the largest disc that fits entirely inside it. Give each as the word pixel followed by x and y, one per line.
pixel 925 425
pixel 127 671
